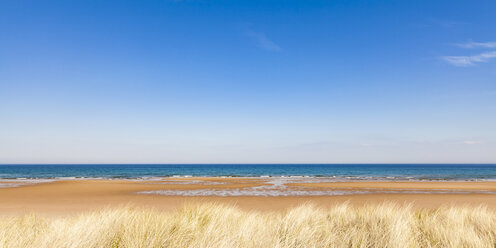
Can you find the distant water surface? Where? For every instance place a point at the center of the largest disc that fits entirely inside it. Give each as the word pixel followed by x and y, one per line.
pixel 337 171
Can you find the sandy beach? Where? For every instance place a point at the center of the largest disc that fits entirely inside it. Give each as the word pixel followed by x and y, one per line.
pixel 75 196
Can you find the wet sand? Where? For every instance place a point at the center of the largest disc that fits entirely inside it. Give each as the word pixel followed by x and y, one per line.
pixel 76 196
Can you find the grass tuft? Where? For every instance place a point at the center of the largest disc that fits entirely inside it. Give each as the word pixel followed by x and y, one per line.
pixel 217 226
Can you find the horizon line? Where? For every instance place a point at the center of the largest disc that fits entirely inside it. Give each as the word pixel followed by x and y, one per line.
pixel 444 163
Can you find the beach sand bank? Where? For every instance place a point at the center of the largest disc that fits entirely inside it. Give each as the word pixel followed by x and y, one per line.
pixel 75 196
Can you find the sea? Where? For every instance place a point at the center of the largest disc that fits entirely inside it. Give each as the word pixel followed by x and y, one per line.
pixel 338 172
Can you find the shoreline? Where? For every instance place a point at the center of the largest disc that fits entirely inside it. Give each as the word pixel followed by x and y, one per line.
pixel 75 196
pixel 330 179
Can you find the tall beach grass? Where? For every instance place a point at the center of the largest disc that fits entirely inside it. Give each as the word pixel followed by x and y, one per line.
pixel 212 225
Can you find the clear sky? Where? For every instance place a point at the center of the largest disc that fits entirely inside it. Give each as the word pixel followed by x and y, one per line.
pixel 199 81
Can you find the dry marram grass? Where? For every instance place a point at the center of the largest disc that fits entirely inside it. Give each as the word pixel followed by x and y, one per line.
pixel 212 225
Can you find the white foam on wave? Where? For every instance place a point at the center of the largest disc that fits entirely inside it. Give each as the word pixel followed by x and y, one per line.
pixel 12 183
pixel 144 179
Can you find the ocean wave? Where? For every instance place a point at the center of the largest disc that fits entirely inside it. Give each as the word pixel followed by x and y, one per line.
pixel 318 178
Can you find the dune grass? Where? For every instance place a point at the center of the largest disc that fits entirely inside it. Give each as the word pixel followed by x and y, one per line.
pixel 212 225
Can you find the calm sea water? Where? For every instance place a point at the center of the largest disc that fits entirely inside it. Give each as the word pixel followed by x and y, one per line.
pixel 339 171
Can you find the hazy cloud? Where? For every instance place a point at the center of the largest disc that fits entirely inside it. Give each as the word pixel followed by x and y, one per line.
pixel 471 142
pixel 470 60
pixel 491 44
pixel 263 42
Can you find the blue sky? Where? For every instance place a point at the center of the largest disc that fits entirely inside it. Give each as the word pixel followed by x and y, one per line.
pixel 247 81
